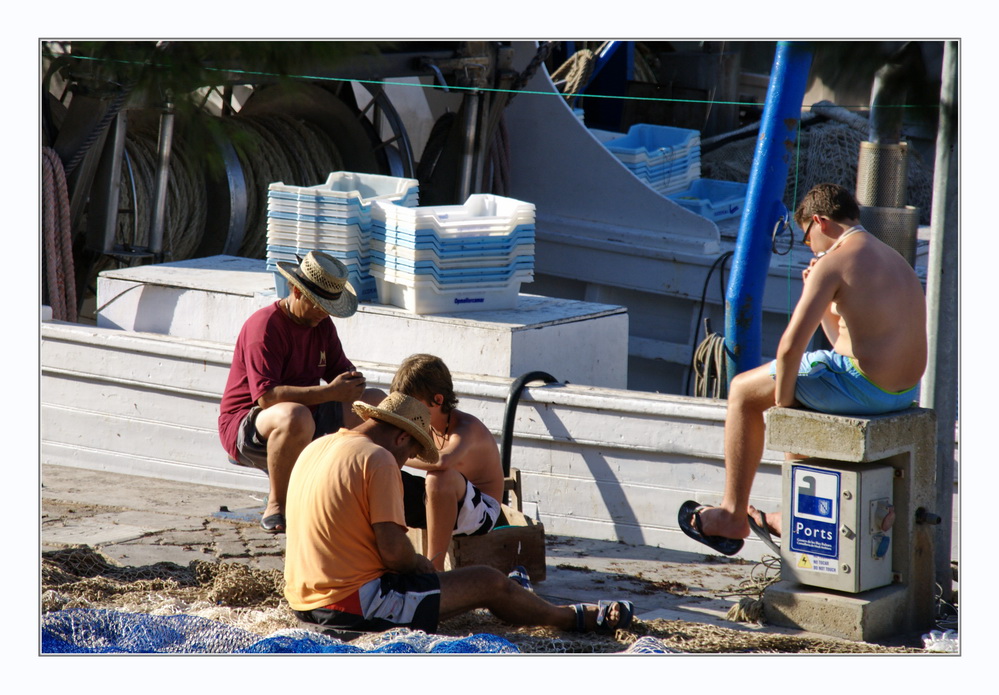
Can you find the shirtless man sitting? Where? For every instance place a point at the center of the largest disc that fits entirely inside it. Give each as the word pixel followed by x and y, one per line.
pixel 349 564
pixel 461 493
pixel 871 307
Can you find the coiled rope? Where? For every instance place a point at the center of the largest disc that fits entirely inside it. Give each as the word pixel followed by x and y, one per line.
pixel 275 148
pixel 710 365
pixel 708 361
pixel 57 238
pixel 270 148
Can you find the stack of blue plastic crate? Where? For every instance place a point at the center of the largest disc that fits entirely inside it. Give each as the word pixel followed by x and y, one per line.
pixel 668 159
pixel 453 258
pixel 334 217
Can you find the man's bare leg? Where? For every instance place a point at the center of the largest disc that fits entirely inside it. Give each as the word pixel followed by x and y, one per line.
pixel 751 394
pixel 444 490
pixel 469 588
pixel 288 428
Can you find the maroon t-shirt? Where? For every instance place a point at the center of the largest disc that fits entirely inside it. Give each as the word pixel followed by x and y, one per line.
pixel 272 350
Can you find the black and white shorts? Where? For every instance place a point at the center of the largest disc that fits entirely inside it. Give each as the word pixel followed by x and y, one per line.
pixel 477 511
pixel 393 600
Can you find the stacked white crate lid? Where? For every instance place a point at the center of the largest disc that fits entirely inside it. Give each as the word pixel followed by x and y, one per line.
pixel 668 159
pixel 333 217
pixel 453 258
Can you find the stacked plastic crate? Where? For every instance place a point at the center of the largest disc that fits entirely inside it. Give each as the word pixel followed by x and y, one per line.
pixel 668 159
pixel 333 217
pixel 716 200
pixel 453 258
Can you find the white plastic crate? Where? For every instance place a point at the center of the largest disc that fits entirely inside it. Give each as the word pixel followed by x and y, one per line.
pixel 482 214
pixel 459 257
pixel 425 298
pixel 359 188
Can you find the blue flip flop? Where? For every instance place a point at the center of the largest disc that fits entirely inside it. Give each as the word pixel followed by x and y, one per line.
pixel 691 509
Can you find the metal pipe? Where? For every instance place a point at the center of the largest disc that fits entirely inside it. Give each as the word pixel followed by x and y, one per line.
pixel 104 198
pixel 467 183
pixel 510 414
pixel 940 385
pixel 162 180
pixel 764 206
pixel 891 84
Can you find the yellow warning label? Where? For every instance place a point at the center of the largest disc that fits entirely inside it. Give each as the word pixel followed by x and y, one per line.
pixel 804 563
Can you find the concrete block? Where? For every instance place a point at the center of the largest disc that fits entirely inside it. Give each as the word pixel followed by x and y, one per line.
pixel 867 617
pixel 846 438
pixel 208 299
pixel 905 441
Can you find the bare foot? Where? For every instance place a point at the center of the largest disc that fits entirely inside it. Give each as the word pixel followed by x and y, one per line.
pixel 770 521
pixel 716 521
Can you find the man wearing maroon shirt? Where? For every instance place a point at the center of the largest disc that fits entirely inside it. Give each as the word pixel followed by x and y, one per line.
pixel 275 401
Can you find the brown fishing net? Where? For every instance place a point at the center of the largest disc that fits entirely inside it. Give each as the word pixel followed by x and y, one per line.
pixel 251 599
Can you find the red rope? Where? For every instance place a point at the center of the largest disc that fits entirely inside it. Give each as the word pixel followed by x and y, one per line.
pixel 57 238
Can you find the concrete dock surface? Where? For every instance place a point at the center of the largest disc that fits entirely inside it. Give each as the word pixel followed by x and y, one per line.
pixel 140 521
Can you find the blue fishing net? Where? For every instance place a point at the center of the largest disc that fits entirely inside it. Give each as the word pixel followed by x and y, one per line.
pixel 91 631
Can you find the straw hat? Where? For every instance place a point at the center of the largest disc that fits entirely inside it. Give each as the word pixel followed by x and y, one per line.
pixel 323 279
pixel 406 413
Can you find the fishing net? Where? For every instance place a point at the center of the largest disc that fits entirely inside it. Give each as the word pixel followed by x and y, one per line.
pixel 827 151
pixel 91 604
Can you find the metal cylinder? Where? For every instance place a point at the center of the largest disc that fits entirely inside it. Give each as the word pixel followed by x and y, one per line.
pixel 895 226
pixel 882 174
pixel 764 206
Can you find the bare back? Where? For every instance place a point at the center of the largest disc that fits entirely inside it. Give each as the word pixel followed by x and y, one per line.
pixel 882 312
pixel 475 453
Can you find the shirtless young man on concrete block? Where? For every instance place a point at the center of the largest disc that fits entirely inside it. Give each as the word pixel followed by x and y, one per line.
pixel 461 493
pixel 871 307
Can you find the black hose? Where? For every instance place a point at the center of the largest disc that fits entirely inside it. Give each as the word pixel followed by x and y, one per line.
pixel 511 412
pixel 721 260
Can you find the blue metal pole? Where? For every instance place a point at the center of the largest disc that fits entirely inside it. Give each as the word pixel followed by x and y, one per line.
pixel 764 206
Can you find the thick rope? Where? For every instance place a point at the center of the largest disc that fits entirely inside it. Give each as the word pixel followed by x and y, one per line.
pixel 576 71
pixel 710 367
pixel 57 238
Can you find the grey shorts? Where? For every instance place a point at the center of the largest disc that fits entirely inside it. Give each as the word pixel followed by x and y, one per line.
pixel 252 447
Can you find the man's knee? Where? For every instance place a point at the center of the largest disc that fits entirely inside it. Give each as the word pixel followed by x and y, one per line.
pixel 755 386
pixel 288 419
pixel 447 482
pixel 479 579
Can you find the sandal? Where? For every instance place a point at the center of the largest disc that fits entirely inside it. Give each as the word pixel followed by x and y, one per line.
pixel 273 524
pixel 625 612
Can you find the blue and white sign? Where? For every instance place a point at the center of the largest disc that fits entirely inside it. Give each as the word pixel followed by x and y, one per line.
pixel 815 511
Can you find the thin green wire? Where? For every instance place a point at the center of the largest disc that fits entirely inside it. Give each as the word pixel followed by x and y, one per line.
pixel 790 255
pixel 261 73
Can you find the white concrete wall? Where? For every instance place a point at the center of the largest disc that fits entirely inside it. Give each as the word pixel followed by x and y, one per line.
pixel 596 463
pixel 210 298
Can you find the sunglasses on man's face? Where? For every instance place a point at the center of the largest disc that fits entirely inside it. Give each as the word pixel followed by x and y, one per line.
pixel 808 230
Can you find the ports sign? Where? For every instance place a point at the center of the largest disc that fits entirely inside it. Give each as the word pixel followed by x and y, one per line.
pixel 815 511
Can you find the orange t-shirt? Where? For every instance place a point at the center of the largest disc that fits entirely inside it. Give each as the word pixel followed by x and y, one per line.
pixel 341 485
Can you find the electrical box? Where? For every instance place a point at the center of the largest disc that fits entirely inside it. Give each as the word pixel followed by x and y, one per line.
pixel 836 527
